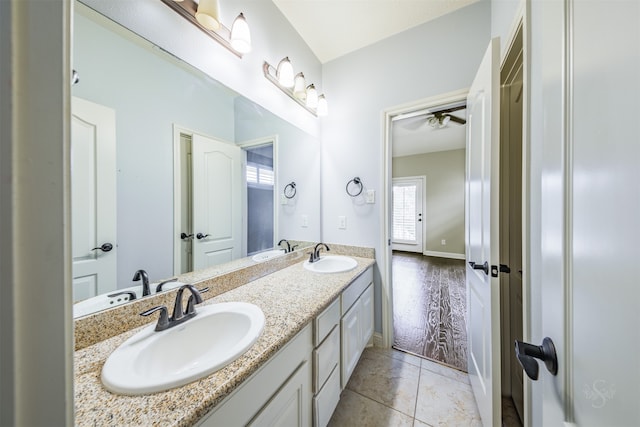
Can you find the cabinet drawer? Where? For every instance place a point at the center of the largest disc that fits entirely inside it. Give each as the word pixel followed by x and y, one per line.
pixel 325 358
pixel 353 291
pixel 325 322
pixel 325 402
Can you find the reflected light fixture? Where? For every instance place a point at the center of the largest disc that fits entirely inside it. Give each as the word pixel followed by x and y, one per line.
pixel 206 16
pixel 294 86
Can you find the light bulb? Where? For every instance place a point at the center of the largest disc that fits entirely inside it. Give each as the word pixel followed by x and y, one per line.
pixel 312 96
pixel 284 73
pixel 208 14
pixel 240 35
pixel 323 108
pixel 299 90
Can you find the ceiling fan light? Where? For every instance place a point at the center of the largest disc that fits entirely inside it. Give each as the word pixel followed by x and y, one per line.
pixel 284 72
pixel 299 87
pixel 208 14
pixel 312 97
pixel 240 35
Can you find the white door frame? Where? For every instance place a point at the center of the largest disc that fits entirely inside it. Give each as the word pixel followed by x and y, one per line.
pixel 386 205
pixel 272 139
pixel 422 207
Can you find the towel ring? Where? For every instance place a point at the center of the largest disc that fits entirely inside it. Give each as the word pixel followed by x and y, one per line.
pixel 290 190
pixel 357 181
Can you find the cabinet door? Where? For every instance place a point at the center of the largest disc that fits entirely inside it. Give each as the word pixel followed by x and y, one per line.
pixel 366 316
pixel 351 341
pixel 291 406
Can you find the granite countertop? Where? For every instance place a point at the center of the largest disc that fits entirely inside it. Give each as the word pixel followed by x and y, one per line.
pixel 290 298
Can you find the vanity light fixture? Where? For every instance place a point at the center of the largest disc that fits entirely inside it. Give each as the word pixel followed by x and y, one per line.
pixel 205 15
pixel 294 86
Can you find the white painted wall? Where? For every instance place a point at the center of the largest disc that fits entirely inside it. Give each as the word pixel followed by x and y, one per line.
pixel 503 15
pixel 435 58
pixel 272 37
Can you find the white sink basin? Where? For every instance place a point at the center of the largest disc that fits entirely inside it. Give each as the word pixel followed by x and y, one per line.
pixel 151 362
pixel 266 255
pixel 331 264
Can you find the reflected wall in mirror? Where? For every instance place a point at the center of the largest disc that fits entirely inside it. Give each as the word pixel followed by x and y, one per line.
pixel 134 108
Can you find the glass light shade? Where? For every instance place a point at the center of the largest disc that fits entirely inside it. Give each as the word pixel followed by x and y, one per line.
pixel 240 35
pixel 312 96
pixel 208 14
pixel 323 108
pixel 284 73
pixel 299 87
pixel 444 120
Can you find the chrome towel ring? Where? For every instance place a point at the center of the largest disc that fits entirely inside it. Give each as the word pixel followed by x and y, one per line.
pixel 358 184
pixel 290 190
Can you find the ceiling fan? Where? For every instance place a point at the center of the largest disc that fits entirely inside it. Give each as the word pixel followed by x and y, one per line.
pixel 436 119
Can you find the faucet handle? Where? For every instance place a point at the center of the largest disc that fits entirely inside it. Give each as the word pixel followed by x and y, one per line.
pixel 163 320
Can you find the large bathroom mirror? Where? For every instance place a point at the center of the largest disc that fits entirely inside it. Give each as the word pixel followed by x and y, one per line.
pixel 171 170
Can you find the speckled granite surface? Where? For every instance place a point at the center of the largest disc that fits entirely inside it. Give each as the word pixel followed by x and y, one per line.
pixel 289 298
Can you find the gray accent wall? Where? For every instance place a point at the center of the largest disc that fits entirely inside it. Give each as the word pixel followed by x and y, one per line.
pixel 444 215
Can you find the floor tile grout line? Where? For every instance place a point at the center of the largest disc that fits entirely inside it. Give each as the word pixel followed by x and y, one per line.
pixel 379 403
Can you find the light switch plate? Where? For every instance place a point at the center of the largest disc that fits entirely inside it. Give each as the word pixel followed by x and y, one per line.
pixel 305 221
pixel 371 196
pixel 342 222
pixel 283 199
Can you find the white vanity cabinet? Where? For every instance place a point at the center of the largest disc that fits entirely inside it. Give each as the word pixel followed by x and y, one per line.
pixel 326 362
pixel 357 322
pixel 278 394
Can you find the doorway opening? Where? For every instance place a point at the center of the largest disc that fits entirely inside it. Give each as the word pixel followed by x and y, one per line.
pixel 426 213
pixel 260 180
pixel 510 229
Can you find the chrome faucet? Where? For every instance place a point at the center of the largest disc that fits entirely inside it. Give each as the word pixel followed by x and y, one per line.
pixel 142 275
pixel 179 315
pixel 315 254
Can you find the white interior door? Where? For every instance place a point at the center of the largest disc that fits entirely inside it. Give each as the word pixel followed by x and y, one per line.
pixel 584 288
pixel 482 234
pixel 93 198
pixel 217 213
pixel 407 221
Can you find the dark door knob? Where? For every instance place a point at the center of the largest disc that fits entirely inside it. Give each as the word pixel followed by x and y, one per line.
pixel 185 236
pixel 484 267
pixel 106 247
pixel 201 236
pixel 528 353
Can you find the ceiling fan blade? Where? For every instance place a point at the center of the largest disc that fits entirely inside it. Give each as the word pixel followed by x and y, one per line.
pixel 457 119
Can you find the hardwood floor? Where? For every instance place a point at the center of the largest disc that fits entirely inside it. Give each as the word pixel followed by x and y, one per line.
pixel 429 305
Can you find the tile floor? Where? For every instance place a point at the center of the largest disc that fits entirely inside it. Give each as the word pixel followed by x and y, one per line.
pixel 392 388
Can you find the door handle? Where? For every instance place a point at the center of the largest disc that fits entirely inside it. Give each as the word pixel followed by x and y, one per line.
pixel 484 267
pixel 528 353
pixel 185 236
pixel 106 247
pixel 201 236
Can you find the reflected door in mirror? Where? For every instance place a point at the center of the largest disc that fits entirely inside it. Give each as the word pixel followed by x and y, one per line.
pixel 217 219
pixel 93 198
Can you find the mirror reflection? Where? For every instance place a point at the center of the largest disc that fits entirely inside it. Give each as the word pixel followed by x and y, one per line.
pixel 172 171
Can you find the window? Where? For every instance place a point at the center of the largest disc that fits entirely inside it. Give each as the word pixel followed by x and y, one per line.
pixel 404 213
pixel 259 175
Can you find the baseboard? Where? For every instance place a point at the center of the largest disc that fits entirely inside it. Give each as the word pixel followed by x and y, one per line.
pixel 443 254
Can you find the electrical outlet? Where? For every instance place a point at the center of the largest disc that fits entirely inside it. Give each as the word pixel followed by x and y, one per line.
pixel 305 221
pixel 342 222
pixel 443 242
